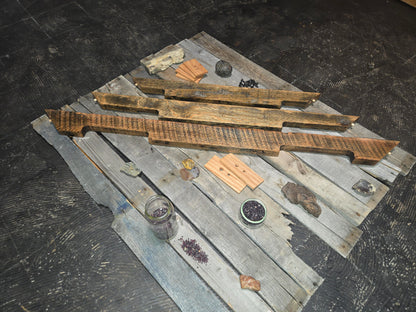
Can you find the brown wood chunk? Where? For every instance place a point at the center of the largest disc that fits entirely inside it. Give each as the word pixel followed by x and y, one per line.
pixel 242 171
pixel 215 166
pixel 248 282
pixel 298 194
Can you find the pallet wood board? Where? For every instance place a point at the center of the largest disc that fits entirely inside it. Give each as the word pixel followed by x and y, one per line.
pixel 238 140
pixel 231 94
pixel 241 116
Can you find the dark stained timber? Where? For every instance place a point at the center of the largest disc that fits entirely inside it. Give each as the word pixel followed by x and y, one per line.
pixel 228 139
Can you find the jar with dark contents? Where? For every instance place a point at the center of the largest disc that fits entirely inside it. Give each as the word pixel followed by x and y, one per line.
pixel 160 214
pixel 253 213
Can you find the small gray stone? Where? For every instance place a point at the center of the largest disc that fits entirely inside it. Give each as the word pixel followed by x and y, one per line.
pixel 223 69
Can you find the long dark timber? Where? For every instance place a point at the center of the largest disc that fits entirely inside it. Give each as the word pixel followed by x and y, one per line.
pixel 228 139
pixel 226 94
pixel 208 113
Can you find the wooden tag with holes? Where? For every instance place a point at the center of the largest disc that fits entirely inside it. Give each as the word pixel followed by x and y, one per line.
pixel 242 171
pixel 219 170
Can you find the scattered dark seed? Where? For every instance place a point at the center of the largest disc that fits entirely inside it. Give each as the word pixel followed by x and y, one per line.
pixel 192 248
pixel 251 83
pixel 159 212
pixel 253 210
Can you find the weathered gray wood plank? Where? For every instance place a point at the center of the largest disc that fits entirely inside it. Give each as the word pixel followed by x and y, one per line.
pixel 342 236
pixel 271 239
pixel 223 232
pixel 336 163
pixel 398 157
pixel 335 230
pixel 217 273
pixel 173 274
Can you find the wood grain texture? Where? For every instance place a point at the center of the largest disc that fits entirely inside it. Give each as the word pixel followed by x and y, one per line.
pixel 243 116
pixel 241 170
pixel 215 166
pixel 257 141
pixel 230 94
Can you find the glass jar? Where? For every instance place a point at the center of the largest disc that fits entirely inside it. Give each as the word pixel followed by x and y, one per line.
pixel 253 212
pixel 160 214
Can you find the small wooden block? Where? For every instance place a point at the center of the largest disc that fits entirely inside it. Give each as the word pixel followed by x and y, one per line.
pixel 216 167
pixel 160 61
pixel 185 71
pixel 242 171
pixel 184 77
pixel 196 68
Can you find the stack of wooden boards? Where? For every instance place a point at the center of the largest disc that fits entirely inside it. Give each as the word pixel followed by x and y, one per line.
pixel 210 210
pixel 191 70
pixel 247 137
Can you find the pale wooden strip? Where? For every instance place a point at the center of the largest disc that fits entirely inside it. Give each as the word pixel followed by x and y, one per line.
pixel 398 158
pixel 279 289
pixel 241 170
pixel 217 273
pixel 180 281
pixel 272 237
pixel 221 171
pixel 336 163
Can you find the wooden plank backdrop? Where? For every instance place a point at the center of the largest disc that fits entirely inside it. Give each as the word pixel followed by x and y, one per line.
pixel 208 209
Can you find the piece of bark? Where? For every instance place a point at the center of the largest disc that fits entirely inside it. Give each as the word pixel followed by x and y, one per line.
pixel 161 60
pixel 298 194
pixel 248 282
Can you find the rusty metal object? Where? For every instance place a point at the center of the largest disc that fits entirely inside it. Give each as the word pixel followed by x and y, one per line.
pixel 298 194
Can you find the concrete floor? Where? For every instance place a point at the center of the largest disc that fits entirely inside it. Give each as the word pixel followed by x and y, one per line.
pixel 58 252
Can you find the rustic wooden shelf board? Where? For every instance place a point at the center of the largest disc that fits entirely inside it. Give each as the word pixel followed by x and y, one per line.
pixel 254 141
pixel 227 94
pixel 207 208
pixel 206 113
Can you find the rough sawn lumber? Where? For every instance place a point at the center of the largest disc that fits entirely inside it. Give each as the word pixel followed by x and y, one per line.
pixel 208 113
pixel 257 141
pixel 230 94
